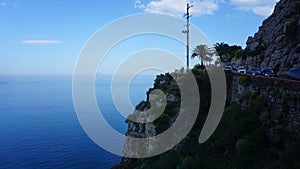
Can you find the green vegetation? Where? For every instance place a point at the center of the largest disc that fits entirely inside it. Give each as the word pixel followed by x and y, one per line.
pixel 274 93
pixel 238 53
pixel 244 80
pixel 243 138
pixel 204 53
pixel 227 52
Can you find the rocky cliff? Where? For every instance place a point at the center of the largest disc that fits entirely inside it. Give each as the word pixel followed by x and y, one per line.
pixel 260 126
pixel 277 43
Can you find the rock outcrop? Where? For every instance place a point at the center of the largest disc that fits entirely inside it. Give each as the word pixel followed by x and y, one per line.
pixel 277 43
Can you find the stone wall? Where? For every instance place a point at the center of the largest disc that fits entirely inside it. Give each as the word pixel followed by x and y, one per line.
pixel 280 99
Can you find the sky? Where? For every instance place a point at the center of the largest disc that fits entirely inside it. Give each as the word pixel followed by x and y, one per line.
pixel 46 37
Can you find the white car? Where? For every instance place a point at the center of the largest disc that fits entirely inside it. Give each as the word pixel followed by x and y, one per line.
pixel 241 69
pixel 227 68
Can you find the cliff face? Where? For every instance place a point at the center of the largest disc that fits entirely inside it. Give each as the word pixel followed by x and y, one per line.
pixel 279 100
pixel 260 126
pixel 277 43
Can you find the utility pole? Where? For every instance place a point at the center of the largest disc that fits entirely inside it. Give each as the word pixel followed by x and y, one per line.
pixel 187 31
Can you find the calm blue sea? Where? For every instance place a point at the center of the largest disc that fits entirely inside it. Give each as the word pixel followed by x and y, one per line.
pixel 39 127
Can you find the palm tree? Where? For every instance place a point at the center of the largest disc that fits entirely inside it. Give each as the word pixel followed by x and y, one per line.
pixel 221 48
pixel 212 55
pixel 225 51
pixel 203 52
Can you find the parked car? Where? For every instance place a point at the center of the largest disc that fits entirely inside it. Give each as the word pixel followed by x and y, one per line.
pixel 294 73
pixel 254 71
pixel 241 69
pixel 267 72
pixel 235 67
pixel 227 68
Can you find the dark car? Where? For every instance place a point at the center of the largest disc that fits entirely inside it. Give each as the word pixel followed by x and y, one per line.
pixel 294 73
pixel 268 72
pixel 254 71
pixel 235 67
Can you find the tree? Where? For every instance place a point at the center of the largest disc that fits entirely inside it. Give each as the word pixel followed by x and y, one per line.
pixel 226 52
pixel 203 52
pixel 222 48
pixel 238 53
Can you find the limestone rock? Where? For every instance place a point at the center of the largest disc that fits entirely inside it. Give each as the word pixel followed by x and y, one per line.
pixel 277 43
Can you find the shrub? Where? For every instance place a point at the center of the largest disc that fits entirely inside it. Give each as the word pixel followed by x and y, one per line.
pixel 254 94
pixel 242 146
pixel 291 156
pixel 244 80
pixel 245 95
pixel 257 104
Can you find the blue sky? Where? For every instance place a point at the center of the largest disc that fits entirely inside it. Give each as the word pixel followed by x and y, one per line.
pixel 46 37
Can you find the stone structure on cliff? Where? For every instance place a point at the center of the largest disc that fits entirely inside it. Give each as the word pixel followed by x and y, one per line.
pixel 277 43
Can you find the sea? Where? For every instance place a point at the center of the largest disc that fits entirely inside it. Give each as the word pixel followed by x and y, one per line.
pixel 39 126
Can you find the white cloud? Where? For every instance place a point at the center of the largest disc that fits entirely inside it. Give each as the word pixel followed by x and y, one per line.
pixel 28 42
pixel 259 7
pixel 204 7
pixel 3 4
pixel 263 10
pixel 138 4
pixel 178 7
